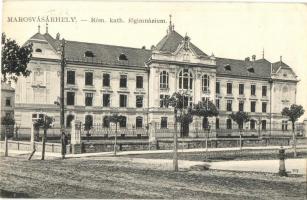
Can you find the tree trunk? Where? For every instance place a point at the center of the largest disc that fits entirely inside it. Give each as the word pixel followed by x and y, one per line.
pixel 294 139
pixel 115 142
pixel 6 144
pixel 44 144
pixel 175 156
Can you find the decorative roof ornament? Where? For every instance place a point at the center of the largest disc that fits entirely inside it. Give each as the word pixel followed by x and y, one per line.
pixel 263 53
pixel 170 26
pixel 46 27
pixel 186 44
pixel 39 29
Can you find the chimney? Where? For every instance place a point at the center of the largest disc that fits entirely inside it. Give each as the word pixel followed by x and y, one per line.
pixel 143 47
pixel 57 36
pixel 247 59
pixel 254 57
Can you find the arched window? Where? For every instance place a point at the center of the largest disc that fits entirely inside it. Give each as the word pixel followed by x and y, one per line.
pixel 69 119
pixel 252 124
pixel 205 83
pixel 106 122
pixel 139 122
pixel 164 80
pixel 122 57
pixel 185 79
pixel 229 124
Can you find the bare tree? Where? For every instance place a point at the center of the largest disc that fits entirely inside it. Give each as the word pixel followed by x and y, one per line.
pixel 115 118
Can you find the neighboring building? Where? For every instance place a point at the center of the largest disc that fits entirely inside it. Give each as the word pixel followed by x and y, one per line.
pixel 102 78
pixel 7 100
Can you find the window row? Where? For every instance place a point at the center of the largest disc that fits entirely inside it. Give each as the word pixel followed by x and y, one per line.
pixel 106 100
pixel 106 78
pixel 241 105
pixel 229 87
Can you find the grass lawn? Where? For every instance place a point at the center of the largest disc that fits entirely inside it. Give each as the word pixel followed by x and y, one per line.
pixel 103 178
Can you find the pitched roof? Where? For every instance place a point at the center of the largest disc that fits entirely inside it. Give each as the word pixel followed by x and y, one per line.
pixel 172 40
pixel 262 67
pixel 277 65
pixel 106 54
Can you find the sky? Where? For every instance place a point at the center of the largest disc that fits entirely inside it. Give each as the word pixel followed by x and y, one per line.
pixel 230 30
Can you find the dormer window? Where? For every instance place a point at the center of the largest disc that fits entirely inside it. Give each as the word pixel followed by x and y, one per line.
pixel 38 50
pixel 122 57
pixel 89 54
pixel 227 67
pixel 251 70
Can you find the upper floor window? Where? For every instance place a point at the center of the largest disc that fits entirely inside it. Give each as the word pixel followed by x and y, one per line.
pixel 139 122
pixel 164 80
pixel 71 77
pixel 205 83
pixel 70 98
pixel 123 81
pixel 217 87
pixel 8 102
pixel 122 100
pixel 185 79
pixel 106 100
pixel 241 106
pixel 229 88
pixel 88 78
pixel 227 67
pixel 88 99
pixel 122 57
pixel 241 89
pixel 253 90
pixel 253 106
pixel 106 80
pixel 139 82
pixel 139 101
pixel 264 91
pixel 89 54
pixel 163 99
pixel 217 103
pixel 229 105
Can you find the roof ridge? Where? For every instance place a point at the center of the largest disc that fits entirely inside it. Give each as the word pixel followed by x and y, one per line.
pixel 108 45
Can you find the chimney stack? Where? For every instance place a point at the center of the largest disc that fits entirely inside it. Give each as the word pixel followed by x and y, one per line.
pixel 254 57
pixel 247 59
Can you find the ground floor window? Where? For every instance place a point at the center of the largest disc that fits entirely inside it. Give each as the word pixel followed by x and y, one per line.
pixel 123 122
pixel 139 122
pixel 217 123
pixel 228 124
pixel 69 119
pixel 106 122
pixel 88 122
pixel 163 122
pixel 284 125
pixel 252 124
pixel 263 124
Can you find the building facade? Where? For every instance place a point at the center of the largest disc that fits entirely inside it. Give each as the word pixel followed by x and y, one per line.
pixel 103 79
pixel 7 100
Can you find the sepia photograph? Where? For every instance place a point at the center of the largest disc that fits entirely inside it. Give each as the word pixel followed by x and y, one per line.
pixel 153 100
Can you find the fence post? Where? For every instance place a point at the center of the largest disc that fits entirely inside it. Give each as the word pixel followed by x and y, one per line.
pixel 75 135
pixel 152 134
pixel 6 142
pixel 32 137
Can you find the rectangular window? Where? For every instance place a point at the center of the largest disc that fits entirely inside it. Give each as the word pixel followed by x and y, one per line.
pixel 139 82
pixel 229 88
pixel 106 80
pixel 241 89
pixel 253 106
pixel 264 105
pixel 71 77
pixel 106 100
pixel 217 123
pixel 122 100
pixel 264 91
pixel 88 99
pixel 139 101
pixel 217 103
pixel 139 122
pixel 163 103
pixel 70 98
pixel 229 105
pixel 252 124
pixel 123 122
pixel 229 124
pixel 123 81
pixel 88 78
pixel 253 90
pixel 217 87
pixel 8 102
pixel 163 122
pixel 241 106
pixel 263 124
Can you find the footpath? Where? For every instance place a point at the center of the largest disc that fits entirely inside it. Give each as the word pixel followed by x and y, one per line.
pixel 294 166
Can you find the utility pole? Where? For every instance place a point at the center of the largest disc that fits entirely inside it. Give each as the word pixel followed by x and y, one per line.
pixel 175 153
pixel 63 63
